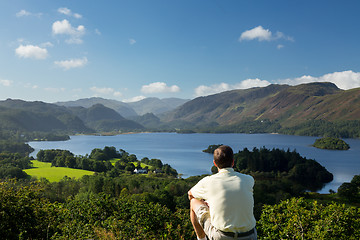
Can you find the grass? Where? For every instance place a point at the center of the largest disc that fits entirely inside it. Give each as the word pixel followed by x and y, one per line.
pixel 54 174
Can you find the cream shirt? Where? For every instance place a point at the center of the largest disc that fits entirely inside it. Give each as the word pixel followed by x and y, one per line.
pixel 229 195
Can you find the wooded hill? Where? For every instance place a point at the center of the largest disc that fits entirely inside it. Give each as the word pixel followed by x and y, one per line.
pixel 274 108
pixel 18 115
pixel 28 117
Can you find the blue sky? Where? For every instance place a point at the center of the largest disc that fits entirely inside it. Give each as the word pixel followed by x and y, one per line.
pixel 128 50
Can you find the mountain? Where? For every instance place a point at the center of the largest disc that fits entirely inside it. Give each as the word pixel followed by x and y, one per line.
pixel 283 104
pixel 315 109
pixel 150 121
pixel 313 101
pixel 156 105
pixel 147 105
pixel 222 108
pixel 102 119
pixel 38 116
pixel 122 108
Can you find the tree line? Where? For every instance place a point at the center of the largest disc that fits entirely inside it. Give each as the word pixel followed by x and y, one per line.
pixel 99 160
pixel 339 128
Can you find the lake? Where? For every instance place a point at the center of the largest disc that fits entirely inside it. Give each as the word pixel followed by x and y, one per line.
pixel 184 151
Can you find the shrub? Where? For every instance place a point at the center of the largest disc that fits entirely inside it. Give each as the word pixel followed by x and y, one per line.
pixel 297 218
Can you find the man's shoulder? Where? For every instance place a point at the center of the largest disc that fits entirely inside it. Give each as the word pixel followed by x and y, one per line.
pixel 244 176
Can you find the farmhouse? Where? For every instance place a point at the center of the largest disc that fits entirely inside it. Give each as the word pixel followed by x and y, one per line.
pixel 140 171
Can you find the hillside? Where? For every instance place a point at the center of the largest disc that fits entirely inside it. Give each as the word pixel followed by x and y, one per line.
pixel 148 120
pixel 287 106
pixel 223 108
pixel 26 117
pixel 156 105
pixel 122 108
pixel 315 101
pixel 38 116
pixel 131 109
pixel 101 118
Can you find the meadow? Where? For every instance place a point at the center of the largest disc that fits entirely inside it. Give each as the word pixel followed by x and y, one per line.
pixel 54 174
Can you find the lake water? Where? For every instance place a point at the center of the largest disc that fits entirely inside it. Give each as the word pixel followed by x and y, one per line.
pixel 184 151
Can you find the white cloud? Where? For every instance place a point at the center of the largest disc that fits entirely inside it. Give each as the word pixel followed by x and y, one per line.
pixel 262 34
pixel 47 44
pixel 97 31
pixel 159 87
pixel 102 90
pixel 256 33
pixel 64 28
pixel 117 94
pixel 29 85
pixel 5 82
pixel 31 51
pixel 132 41
pixel 77 90
pixel 105 91
pixel 24 13
pixel 72 63
pixel 344 80
pixel 54 90
pixel 250 83
pixel 217 88
pixel 134 99
pixel 280 46
pixel 65 11
pixel 68 12
pixel 77 15
pixel 203 90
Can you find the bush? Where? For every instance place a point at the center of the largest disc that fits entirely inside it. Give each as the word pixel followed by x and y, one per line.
pixel 24 213
pixel 297 218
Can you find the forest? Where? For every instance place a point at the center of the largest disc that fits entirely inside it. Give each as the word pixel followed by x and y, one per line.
pixel 115 203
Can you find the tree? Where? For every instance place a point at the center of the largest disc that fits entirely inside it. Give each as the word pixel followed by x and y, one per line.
pixel 24 213
pixel 297 218
pixel 130 167
pixel 350 191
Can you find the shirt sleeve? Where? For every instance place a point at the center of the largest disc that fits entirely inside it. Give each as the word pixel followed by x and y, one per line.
pixel 199 190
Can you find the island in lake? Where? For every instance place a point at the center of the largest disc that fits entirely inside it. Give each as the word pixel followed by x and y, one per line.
pixel 331 143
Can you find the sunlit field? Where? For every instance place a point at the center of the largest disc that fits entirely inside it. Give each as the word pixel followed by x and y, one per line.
pixel 54 174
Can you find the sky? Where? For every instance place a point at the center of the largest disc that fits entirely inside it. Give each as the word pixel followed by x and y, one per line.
pixel 127 50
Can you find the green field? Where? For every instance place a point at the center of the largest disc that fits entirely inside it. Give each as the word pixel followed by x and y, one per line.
pixel 54 174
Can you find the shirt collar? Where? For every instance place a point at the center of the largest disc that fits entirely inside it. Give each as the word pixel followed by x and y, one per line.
pixel 226 170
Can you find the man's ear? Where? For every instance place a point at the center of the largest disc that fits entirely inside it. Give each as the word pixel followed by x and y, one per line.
pixel 233 163
pixel 214 163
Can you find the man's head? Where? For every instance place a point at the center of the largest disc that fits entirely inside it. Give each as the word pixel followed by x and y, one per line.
pixel 224 157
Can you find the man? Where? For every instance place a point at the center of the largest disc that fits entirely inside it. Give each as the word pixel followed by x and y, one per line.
pixel 221 205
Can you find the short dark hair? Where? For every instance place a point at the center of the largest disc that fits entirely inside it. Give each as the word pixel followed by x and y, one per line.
pixel 223 156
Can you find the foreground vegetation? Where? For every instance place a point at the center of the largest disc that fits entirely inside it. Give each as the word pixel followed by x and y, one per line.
pixel 27 213
pixel 115 203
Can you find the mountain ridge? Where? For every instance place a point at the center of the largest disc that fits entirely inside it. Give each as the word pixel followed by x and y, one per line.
pixel 130 109
pixel 285 104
